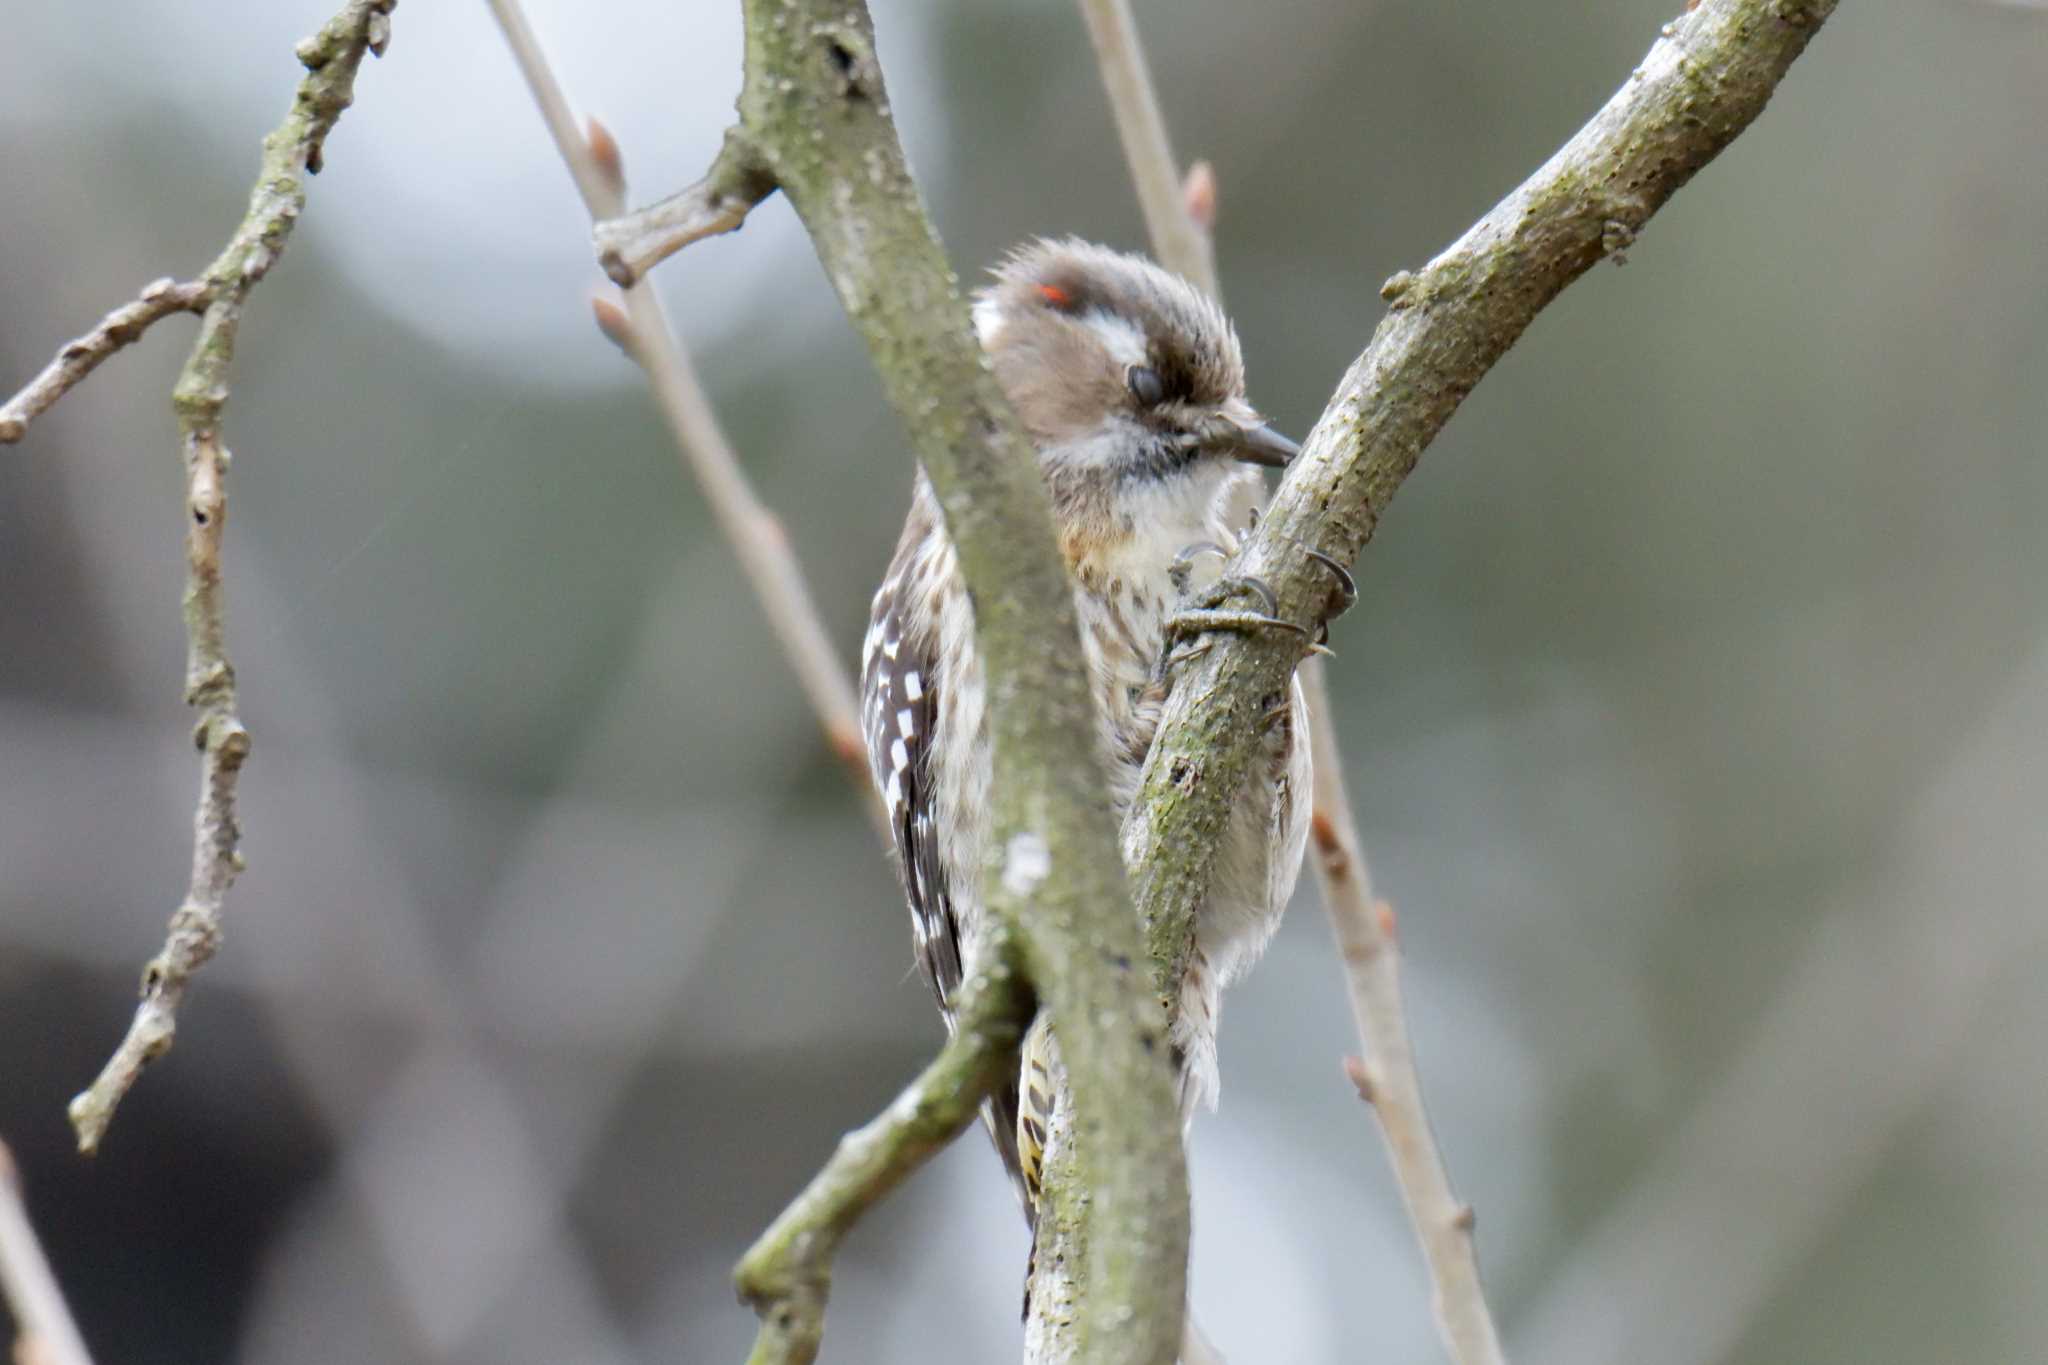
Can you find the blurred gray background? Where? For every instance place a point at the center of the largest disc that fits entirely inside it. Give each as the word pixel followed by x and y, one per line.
pixel 1696 704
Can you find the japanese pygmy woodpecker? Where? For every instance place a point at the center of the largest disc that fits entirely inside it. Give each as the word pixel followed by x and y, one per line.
pixel 1128 381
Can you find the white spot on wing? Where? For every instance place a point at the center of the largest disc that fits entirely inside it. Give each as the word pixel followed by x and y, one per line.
pixel 905 722
pixel 913 685
pixel 899 757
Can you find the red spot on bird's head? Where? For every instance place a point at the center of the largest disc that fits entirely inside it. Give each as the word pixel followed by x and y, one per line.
pixel 1056 296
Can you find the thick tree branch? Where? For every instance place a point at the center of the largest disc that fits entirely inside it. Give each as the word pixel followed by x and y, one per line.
pixel 814 117
pixel 1699 87
pixel 1363 928
pixel 788 1272
pixel 290 153
pixel 44 1332
pixel 642 330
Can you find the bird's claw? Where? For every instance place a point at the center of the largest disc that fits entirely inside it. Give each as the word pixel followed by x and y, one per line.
pixel 1208 614
pixel 1347 586
pixel 1182 567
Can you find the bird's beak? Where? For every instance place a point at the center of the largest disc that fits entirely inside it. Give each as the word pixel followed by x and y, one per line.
pixel 1263 445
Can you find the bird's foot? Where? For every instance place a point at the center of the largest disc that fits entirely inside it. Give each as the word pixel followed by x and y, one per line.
pixel 1209 612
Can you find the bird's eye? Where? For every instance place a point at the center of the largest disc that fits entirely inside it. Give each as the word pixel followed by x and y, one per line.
pixel 1145 384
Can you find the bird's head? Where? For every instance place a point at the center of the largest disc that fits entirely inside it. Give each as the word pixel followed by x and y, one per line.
pixel 1126 376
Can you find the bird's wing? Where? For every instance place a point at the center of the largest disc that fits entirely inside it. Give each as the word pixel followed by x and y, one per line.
pixel 901 687
pixel 904 681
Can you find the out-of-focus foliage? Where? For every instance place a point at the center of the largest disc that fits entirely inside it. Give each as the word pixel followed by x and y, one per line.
pixel 1695 703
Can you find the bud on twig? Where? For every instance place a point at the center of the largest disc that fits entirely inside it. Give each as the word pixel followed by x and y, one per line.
pixel 1198 195
pixel 613 322
pixel 604 151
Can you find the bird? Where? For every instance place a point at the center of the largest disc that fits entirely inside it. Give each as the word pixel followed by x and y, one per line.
pixel 1130 384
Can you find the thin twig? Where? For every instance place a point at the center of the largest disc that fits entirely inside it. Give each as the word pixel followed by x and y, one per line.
pixel 1386 1076
pixel 290 153
pixel 122 327
pixel 642 329
pixel 787 1274
pixel 1370 956
pixel 44 1332
pixel 1180 242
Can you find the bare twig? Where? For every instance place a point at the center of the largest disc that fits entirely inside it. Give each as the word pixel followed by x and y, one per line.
pixel 1387 1077
pixel 44 1333
pixel 786 1275
pixel 1179 240
pixel 1363 929
pixel 80 358
pixel 291 152
pixel 642 329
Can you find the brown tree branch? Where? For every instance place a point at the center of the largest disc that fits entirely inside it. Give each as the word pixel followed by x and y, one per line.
pixel 1387 1076
pixel 290 153
pixel 1179 238
pixel 44 1332
pixel 641 329
pixel 1363 928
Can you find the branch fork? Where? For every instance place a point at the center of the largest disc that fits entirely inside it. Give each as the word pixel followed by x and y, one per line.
pixel 629 245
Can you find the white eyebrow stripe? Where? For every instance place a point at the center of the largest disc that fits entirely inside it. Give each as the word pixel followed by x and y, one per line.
pixel 1120 337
